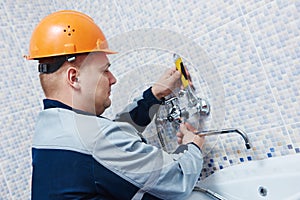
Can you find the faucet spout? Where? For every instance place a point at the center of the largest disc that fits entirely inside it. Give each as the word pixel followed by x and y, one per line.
pixel 226 131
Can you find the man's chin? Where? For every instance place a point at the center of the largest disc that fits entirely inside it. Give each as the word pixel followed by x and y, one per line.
pixel 107 105
pixel 102 108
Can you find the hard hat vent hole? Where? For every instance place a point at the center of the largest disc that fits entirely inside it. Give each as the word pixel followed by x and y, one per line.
pixel 69 30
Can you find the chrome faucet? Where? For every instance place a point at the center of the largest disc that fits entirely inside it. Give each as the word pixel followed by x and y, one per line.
pixel 185 105
pixel 225 131
pixel 178 113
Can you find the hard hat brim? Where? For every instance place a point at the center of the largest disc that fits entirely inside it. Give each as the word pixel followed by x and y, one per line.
pixel 108 51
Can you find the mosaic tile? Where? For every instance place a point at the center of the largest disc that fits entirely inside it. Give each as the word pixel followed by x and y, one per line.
pixel 249 101
pixel 293 131
pixel 16 157
pixel 22 95
pixel 250 46
pixel 248 6
pixel 195 18
pixel 5 193
pixel 281 62
pixel 215 157
pixel 151 14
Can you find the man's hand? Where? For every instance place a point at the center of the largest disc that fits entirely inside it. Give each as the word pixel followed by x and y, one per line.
pixel 166 83
pixel 186 135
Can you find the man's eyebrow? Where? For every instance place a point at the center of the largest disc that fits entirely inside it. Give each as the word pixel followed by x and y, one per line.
pixel 107 65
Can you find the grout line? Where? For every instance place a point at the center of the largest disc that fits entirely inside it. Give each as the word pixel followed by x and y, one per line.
pixel 25 62
pixel 5 179
pixel 175 17
pixel 264 70
pixel 126 30
pixel 283 126
pixel 120 15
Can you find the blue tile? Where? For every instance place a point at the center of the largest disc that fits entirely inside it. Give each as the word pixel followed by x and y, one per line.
pixel 269 155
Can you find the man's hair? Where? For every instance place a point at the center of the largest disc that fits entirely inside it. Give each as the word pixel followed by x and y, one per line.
pixel 50 82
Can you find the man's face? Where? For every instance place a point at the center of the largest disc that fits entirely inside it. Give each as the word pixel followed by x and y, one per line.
pixel 96 81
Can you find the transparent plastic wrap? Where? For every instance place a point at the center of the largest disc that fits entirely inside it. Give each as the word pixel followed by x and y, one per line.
pixel 183 105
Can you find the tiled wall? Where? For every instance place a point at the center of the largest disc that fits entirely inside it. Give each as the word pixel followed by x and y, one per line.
pixel 253 53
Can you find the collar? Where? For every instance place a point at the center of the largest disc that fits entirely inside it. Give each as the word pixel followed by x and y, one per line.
pixel 50 103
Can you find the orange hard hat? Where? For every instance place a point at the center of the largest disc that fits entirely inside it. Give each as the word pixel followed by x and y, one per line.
pixel 66 32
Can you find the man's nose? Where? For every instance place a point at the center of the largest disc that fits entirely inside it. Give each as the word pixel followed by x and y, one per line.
pixel 113 79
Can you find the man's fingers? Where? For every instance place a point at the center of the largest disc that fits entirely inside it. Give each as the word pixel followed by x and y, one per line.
pixel 190 127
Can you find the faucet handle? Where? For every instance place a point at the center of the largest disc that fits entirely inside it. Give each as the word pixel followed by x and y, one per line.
pixel 203 107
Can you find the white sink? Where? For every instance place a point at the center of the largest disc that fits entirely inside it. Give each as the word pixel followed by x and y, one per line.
pixel 269 179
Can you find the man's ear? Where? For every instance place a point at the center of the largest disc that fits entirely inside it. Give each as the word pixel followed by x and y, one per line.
pixel 72 77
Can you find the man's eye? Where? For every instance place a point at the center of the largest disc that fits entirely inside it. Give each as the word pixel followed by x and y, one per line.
pixel 106 72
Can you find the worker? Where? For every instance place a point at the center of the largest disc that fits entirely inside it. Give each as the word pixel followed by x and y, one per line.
pixel 79 154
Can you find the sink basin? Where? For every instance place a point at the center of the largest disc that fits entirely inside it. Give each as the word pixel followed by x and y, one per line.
pixel 268 179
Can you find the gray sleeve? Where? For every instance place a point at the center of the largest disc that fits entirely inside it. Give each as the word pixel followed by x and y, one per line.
pixel 121 150
pixel 141 111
